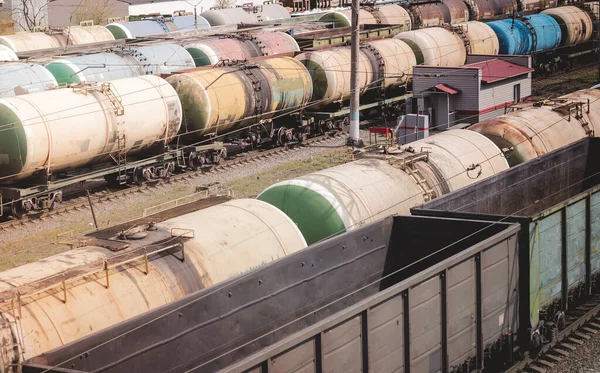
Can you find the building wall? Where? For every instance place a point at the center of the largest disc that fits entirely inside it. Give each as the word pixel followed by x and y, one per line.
pixel 64 13
pixel 464 79
pixel 497 95
pixel 37 8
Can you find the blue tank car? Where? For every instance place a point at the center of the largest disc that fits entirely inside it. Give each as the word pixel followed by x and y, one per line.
pixel 516 36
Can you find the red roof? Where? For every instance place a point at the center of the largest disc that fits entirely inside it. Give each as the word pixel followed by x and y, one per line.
pixel 447 89
pixel 496 69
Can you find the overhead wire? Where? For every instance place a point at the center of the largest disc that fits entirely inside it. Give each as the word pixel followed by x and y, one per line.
pixel 9 125
pixel 243 277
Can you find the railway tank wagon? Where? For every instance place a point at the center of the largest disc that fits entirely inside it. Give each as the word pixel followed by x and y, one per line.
pixel 383 65
pixel 177 257
pixel 343 198
pixel 435 46
pixel 136 29
pixel 98 67
pixel 23 78
pixel 42 139
pixel 217 101
pixel 373 300
pixel 241 47
pixel 527 134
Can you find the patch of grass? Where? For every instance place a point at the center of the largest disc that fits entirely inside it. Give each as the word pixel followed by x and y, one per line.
pixel 566 82
pixel 48 242
pixel 251 186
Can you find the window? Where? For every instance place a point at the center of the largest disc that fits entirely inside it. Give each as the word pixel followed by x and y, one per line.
pixel 516 93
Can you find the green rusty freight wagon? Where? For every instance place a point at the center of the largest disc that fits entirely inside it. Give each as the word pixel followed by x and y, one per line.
pixel 556 199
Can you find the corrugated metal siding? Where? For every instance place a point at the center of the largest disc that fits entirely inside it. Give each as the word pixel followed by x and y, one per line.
pixel 425 327
pixel 466 80
pixel 595 234
pixel 498 297
pixel 342 347
pixel 299 359
pixel 495 94
pixel 386 336
pixel 576 242
pixel 462 307
pixel 547 241
pixel 491 114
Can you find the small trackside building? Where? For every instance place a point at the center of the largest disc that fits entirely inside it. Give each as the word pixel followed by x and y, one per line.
pixel 482 89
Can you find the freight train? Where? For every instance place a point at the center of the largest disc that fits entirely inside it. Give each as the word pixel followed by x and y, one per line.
pixel 277 101
pixel 283 219
pixel 463 285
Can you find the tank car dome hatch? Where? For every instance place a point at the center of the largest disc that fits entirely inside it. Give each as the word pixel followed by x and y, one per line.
pixel 219 242
pixel 98 67
pixel 190 22
pixel 162 58
pixel 576 24
pixel 435 46
pixel 21 78
pixel 75 35
pixel 342 198
pixel 219 100
pixel 24 42
pixel 42 136
pixel 527 134
pixel 482 38
pixel 343 18
pixel 7 54
pixel 132 30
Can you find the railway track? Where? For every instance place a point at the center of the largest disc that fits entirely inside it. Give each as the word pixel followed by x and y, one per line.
pixel 101 194
pixel 582 323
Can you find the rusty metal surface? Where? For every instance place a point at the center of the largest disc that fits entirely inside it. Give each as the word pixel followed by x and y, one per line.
pixel 220 100
pixel 267 316
pixel 575 24
pixel 542 196
pixel 456 12
pixel 527 134
pixel 429 15
pixel 536 5
pixel 491 9
pixel 68 296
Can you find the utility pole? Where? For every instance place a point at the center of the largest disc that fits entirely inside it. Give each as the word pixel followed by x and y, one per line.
pixel 354 135
pixel 597 42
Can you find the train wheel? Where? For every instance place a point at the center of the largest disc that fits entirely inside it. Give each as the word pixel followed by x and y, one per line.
pixel 137 177
pixel 17 210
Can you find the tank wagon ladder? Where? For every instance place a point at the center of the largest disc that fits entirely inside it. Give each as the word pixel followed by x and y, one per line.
pixel 407 164
pixel 120 156
pixel 575 109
